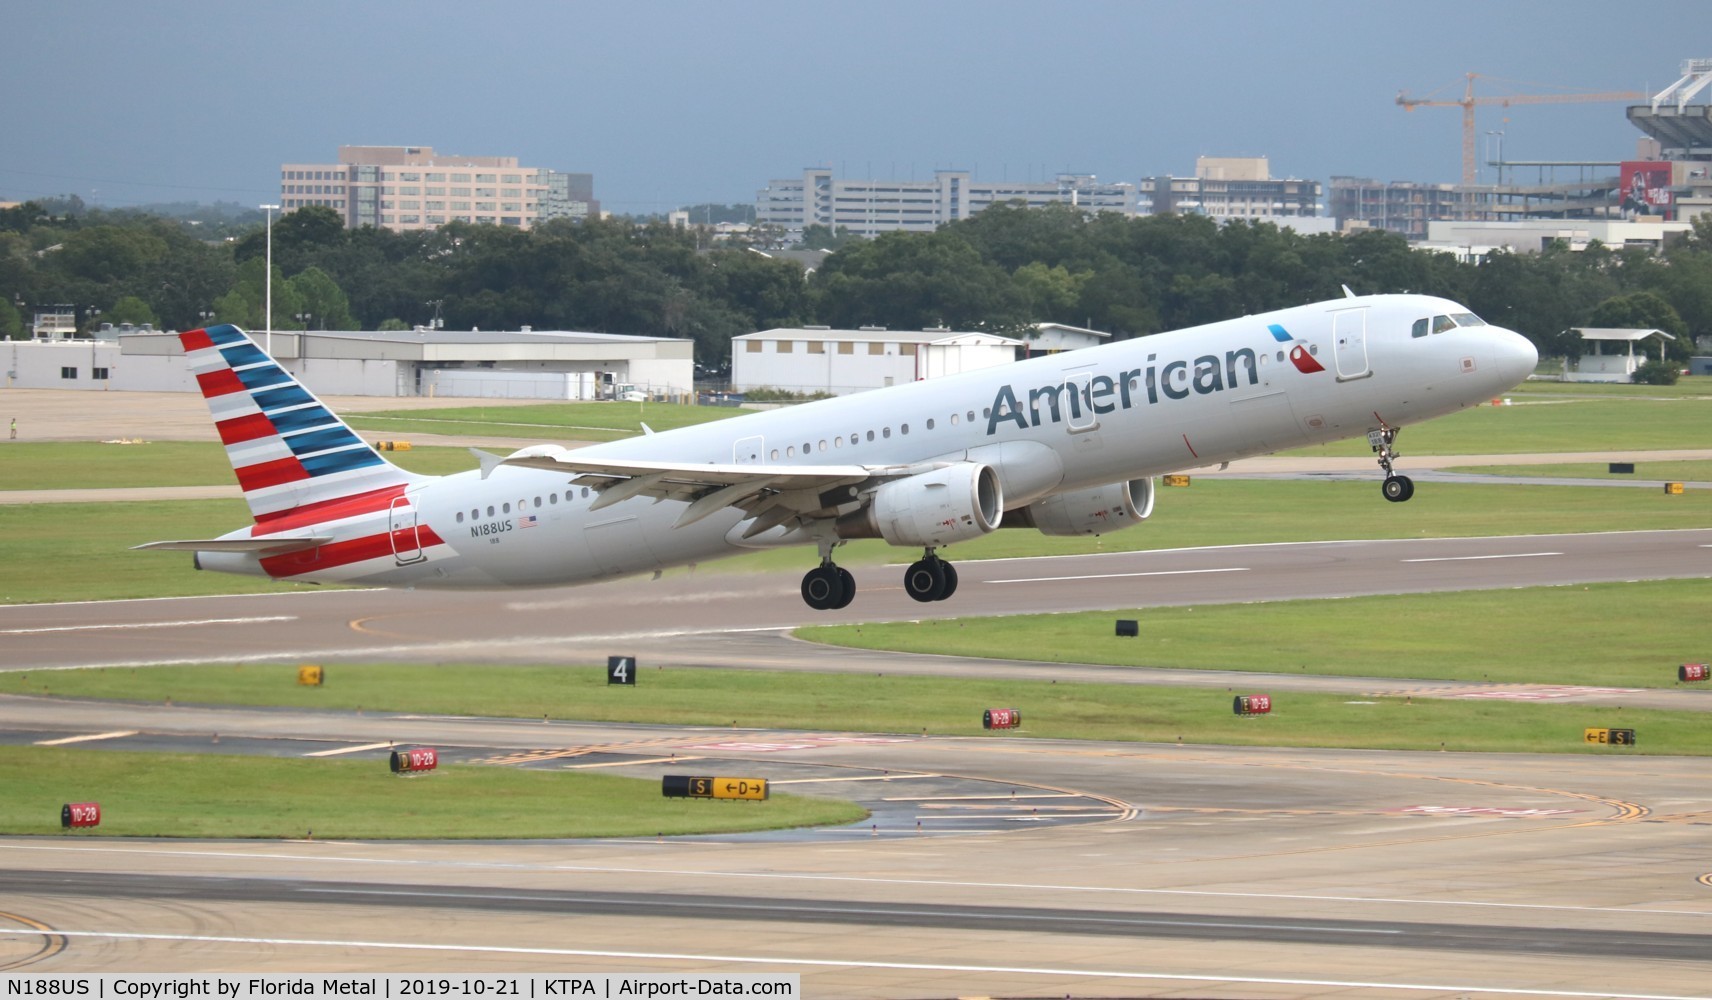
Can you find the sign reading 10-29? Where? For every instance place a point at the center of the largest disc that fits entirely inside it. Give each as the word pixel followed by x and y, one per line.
pixel 621 670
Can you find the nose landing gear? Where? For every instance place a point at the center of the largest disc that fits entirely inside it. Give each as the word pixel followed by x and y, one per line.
pixel 1397 488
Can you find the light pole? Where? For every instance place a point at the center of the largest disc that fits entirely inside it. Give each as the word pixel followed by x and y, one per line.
pixel 303 319
pixel 267 320
pixel 207 316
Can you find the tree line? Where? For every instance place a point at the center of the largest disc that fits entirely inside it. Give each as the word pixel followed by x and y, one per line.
pixel 999 271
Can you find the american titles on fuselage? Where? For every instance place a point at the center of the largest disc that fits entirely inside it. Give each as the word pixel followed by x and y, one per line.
pixel 1081 395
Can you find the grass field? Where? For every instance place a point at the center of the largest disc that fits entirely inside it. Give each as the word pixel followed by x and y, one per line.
pixel 90 465
pixel 1557 418
pixel 80 551
pixel 902 704
pixel 1679 472
pixel 69 552
pixel 1540 423
pixel 214 795
pixel 1687 387
pixel 550 422
pixel 1607 635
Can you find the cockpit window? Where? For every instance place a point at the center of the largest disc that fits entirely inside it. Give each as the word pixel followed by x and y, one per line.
pixel 1439 324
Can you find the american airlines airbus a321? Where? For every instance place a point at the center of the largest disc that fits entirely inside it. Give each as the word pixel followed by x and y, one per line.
pixel 1066 444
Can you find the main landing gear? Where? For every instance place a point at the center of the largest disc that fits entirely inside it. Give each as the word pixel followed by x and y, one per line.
pixel 930 578
pixel 829 587
pixel 1397 488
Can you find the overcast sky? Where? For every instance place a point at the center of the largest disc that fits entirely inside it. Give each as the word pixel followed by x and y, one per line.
pixel 677 102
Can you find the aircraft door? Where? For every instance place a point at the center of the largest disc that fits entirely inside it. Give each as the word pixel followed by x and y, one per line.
pixel 748 451
pixel 1078 403
pixel 1349 344
pixel 406 541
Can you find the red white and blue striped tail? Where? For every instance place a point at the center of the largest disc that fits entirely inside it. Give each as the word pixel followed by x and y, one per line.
pixel 291 454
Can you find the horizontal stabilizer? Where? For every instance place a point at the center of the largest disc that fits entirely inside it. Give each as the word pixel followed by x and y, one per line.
pixel 271 546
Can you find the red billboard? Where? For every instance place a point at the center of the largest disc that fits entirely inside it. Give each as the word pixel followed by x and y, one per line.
pixel 1646 187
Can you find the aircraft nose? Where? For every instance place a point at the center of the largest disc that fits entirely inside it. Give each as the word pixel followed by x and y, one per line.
pixel 1514 356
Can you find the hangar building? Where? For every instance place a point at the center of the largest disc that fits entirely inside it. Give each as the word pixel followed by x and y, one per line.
pixel 511 364
pixel 815 359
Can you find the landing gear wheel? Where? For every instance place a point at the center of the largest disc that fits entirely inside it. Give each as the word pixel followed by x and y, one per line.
pixel 925 580
pixel 849 583
pixel 950 580
pixel 1396 488
pixel 823 588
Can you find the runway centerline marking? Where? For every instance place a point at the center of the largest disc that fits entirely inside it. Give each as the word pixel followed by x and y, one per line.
pixel 1119 576
pixel 129 625
pixel 790 960
pixel 87 739
pixel 1507 555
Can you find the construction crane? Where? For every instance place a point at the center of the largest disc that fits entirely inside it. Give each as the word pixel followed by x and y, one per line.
pixel 1469 101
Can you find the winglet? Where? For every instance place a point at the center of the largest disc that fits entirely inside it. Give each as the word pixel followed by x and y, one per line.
pixel 489 461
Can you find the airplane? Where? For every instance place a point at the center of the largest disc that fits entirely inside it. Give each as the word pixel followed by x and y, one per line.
pixel 1065 444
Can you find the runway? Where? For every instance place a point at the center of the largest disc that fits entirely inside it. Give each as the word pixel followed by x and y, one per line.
pixel 728 619
pixel 1196 871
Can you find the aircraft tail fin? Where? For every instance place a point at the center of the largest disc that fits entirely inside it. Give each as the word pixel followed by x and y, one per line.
pixel 289 451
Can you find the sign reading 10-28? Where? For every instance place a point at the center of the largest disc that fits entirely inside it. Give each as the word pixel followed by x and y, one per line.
pixel 621 670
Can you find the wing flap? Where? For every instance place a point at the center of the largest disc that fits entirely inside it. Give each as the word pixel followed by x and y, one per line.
pixel 754 488
pixel 599 473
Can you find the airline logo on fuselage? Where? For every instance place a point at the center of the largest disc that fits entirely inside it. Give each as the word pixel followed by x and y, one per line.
pixel 1299 355
pixel 1073 399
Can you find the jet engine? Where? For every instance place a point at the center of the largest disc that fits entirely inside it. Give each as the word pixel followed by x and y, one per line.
pixel 953 504
pixel 1098 511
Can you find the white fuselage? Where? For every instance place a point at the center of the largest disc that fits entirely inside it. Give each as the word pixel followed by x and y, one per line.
pixel 1048 425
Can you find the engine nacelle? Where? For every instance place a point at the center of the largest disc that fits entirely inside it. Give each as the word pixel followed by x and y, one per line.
pixel 1099 511
pixel 953 504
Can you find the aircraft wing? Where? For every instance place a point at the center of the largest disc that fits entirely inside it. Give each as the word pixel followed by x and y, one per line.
pixel 272 545
pixel 773 494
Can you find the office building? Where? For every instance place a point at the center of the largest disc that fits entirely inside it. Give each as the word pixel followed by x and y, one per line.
pixel 413 187
pixel 870 207
pixel 1226 188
